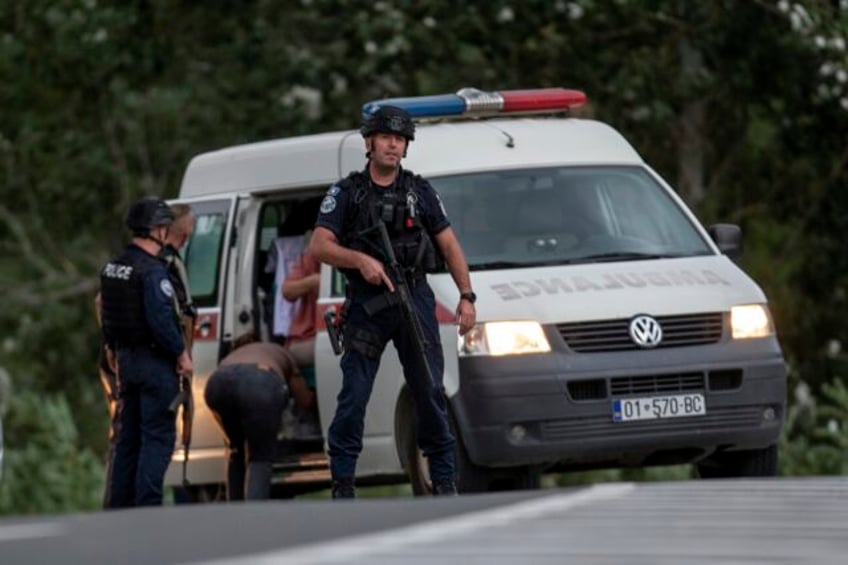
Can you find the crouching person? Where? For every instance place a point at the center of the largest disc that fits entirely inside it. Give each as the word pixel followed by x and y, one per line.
pixel 247 395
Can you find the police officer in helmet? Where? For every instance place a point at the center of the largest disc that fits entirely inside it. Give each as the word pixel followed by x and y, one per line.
pixel 143 337
pixel 421 239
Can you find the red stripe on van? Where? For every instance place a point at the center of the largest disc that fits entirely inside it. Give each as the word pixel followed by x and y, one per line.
pixel 444 315
pixel 319 323
pixel 206 327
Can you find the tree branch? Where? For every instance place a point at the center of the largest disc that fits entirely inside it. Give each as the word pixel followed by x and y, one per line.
pixel 25 243
pixel 34 297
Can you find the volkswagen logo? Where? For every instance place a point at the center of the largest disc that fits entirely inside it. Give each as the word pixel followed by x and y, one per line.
pixel 645 331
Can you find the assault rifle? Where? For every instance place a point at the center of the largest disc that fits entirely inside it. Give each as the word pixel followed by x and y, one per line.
pixel 403 297
pixel 184 400
pixel 187 315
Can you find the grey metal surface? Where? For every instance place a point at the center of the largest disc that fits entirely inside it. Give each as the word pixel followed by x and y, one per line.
pixel 688 522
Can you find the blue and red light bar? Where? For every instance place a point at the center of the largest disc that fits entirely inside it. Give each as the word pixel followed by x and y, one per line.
pixel 471 102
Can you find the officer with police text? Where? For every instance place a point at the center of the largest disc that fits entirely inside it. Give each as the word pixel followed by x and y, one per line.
pixel 141 329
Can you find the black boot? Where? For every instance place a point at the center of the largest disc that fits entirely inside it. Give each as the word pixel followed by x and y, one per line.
pixel 444 488
pixel 344 489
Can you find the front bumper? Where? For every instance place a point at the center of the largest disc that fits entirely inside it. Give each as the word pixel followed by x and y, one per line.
pixel 556 408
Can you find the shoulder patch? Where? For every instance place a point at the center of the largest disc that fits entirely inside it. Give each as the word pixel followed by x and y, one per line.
pixel 328 204
pixel 166 288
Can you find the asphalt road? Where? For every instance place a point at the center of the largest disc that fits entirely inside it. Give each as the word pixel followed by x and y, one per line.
pixel 686 522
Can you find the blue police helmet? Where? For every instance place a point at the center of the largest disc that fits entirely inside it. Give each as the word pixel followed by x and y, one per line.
pixel 148 213
pixel 388 119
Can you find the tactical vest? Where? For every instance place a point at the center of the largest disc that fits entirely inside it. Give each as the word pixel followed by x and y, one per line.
pixel 398 208
pixel 122 299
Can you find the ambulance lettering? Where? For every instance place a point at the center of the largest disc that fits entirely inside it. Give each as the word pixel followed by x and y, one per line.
pixel 607 281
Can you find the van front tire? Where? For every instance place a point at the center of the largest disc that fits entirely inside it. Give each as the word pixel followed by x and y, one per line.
pixel 411 459
pixel 471 478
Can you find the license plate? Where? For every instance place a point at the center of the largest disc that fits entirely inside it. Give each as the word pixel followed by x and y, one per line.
pixel 657 407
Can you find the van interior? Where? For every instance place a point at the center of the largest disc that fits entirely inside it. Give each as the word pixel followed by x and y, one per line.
pixel 301 464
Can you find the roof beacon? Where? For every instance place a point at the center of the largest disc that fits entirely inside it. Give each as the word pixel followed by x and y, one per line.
pixel 470 102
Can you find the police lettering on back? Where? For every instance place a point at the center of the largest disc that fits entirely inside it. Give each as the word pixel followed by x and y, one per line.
pixel 144 344
pixel 114 271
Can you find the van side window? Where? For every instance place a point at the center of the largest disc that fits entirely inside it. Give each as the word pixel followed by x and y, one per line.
pixel 203 251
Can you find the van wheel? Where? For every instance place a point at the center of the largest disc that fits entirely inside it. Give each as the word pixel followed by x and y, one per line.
pixel 411 458
pixel 750 463
pixel 471 478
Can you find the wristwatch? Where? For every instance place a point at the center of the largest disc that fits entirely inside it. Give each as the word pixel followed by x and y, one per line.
pixel 469 296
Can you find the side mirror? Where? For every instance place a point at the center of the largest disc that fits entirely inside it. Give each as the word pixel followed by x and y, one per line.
pixel 728 237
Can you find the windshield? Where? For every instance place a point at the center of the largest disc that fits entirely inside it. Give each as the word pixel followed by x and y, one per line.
pixel 565 215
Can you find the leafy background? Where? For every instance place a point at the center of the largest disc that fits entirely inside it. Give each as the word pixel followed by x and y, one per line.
pixel 741 104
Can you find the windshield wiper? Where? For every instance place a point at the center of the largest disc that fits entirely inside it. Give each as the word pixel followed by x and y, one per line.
pixel 625 256
pixel 513 264
pixel 597 258
pixel 496 265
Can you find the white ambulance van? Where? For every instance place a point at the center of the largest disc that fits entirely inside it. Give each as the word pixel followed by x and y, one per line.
pixel 614 330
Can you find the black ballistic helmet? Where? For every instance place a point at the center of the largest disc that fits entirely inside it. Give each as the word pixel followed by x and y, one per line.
pixel 388 119
pixel 148 213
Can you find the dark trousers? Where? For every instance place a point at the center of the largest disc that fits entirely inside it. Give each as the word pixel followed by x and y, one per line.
pixel 248 404
pixel 365 339
pixel 146 427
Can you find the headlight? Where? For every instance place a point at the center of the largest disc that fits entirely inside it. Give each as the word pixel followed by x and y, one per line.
pixel 750 320
pixel 504 338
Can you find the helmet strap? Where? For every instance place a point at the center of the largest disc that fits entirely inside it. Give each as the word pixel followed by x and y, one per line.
pixel 158 241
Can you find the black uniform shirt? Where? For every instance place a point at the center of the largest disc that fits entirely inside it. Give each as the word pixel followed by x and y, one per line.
pixel 338 207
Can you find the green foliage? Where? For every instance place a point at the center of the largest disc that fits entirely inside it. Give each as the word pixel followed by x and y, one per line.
pixel 739 104
pixel 46 469
pixel 816 438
